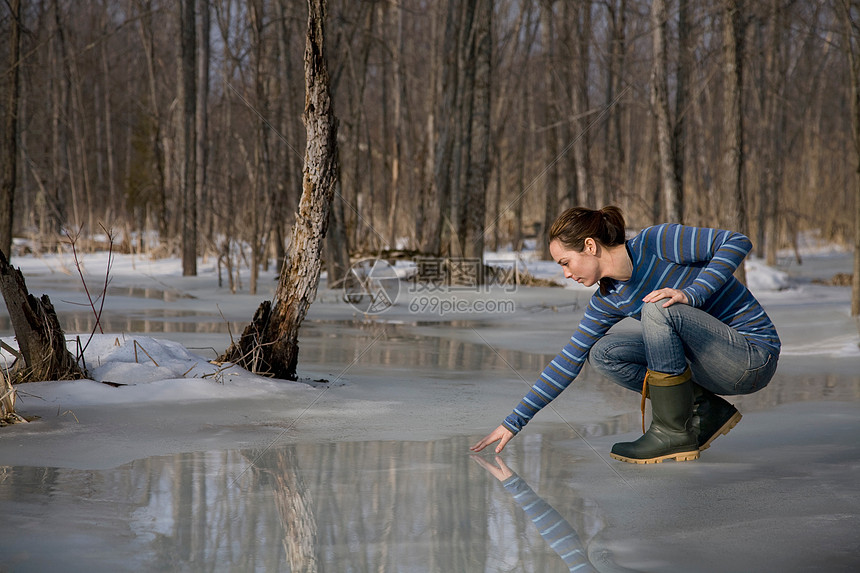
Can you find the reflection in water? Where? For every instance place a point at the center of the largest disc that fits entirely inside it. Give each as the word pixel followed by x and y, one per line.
pixel 141 322
pixel 362 506
pixel 556 531
pixel 442 349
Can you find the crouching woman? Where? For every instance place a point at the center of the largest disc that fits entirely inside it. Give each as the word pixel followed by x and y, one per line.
pixel 703 333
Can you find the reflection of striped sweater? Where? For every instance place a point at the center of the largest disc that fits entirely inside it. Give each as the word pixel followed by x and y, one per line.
pixel 557 532
pixel 698 261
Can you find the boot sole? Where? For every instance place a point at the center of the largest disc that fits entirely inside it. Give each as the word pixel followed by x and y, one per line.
pixel 724 429
pixel 680 457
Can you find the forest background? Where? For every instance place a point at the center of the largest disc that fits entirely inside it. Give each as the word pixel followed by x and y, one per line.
pixel 464 125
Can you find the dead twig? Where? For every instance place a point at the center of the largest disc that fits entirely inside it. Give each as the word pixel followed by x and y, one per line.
pixel 67 412
pixel 73 240
pixel 138 344
pixel 103 295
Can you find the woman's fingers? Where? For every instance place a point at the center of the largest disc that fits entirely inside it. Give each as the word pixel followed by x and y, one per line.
pixel 506 437
pixel 500 434
pixel 674 295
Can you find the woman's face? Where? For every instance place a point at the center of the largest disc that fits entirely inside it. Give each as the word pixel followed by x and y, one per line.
pixel 582 266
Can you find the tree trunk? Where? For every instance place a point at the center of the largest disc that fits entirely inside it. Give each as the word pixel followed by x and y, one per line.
pixel 10 133
pixel 670 184
pixel 444 144
pixel 613 182
pixel 549 118
pixel 682 99
pixel 160 193
pixel 479 165
pixel 774 128
pixel 187 97
pixel 398 94
pixel 259 170
pixel 59 133
pixel 202 121
pixel 337 244
pixel 453 235
pixel 114 197
pixel 586 194
pixel 733 134
pixel 851 11
pixel 270 343
pixel 41 340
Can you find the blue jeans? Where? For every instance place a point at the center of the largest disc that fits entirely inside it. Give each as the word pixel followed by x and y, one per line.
pixel 721 359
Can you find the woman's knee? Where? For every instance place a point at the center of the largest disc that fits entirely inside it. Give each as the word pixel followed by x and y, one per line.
pixel 655 311
pixel 615 350
pixel 599 357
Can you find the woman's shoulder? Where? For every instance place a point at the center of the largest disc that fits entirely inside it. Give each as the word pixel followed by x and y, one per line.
pixel 655 230
pixel 648 236
pixel 666 233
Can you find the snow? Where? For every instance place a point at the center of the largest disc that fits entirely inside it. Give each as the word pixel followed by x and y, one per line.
pixel 162 440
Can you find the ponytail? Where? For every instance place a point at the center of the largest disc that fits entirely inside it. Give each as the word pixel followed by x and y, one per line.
pixel 571 228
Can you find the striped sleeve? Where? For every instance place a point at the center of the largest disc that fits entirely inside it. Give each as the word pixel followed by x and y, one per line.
pixel 562 370
pixel 719 253
pixel 558 533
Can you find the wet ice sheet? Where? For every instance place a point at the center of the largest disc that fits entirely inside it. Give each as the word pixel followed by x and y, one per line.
pixel 374 465
pixel 362 506
pixel 782 496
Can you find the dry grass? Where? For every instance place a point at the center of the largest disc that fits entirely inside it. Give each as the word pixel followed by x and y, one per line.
pixel 8 394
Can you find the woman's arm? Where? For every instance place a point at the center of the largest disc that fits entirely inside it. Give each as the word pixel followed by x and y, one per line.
pixel 558 374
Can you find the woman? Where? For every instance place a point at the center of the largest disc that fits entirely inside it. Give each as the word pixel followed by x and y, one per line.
pixel 703 333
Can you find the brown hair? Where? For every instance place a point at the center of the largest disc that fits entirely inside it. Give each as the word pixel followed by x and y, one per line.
pixel 606 226
pixel 571 228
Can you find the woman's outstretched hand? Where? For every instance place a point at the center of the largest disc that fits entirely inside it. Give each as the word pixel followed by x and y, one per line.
pixel 500 434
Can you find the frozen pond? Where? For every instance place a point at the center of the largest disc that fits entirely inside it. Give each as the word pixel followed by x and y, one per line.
pixel 364 465
pixel 347 506
pixel 429 506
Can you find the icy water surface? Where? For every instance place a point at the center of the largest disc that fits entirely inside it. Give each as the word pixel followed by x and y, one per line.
pixel 360 506
pixel 371 471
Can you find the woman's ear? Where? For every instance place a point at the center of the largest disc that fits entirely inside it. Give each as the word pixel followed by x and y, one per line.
pixel 590 246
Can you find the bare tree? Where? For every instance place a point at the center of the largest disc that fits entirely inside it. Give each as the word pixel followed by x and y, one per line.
pixel 617 38
pixel 670 183
pixel 270 343
pixel 479 165
pixel 337 243
pixel 549 117
pixel 187 147
pixel 259 165
pixel 202 119
pixel 773 136
pixel 99 139
pixel 10 132
pixel 155 131
pixel 60 169
pixel 444 137
pixel 580 23
pixel 682 100
pixel 733 133
pixel 851 13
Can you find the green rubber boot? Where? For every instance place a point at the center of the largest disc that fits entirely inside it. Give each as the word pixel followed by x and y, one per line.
pixel 712 416
pixel 670 436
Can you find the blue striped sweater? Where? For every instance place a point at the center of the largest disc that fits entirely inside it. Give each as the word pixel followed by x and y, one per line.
pixel 698 261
